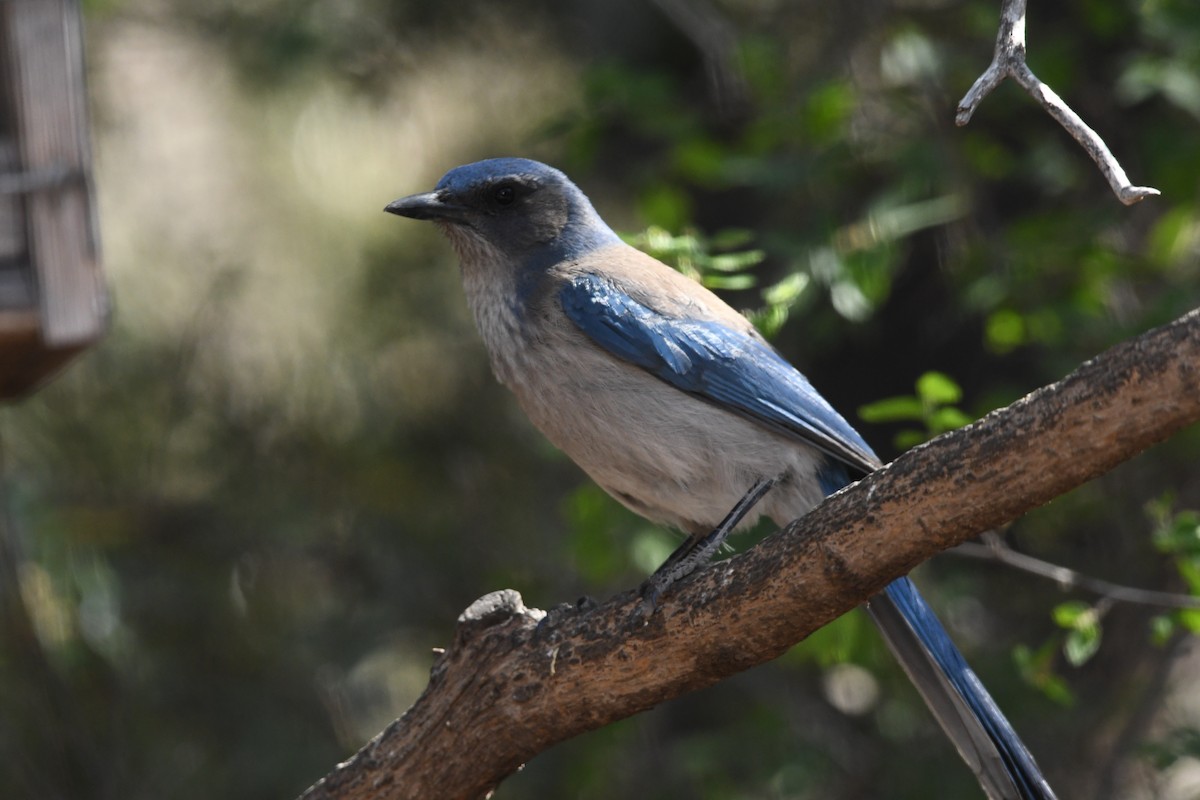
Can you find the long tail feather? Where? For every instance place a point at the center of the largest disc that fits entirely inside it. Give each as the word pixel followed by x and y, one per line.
pixel 967 713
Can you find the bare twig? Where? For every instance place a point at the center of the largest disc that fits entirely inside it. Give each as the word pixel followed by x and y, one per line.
pixel 1009 61
pixel 514 680
pixel 993 548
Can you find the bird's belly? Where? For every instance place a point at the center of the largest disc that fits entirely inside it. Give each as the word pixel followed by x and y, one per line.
pixel 668 456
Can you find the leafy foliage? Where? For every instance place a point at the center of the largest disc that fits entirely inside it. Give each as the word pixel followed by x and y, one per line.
pixel 933 406
pixel 1178 536
pixel 1082 623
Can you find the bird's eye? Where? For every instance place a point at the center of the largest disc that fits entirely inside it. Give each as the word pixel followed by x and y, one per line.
pixel 504 195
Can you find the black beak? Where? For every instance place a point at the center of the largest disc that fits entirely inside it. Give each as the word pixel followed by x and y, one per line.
pixel 427 205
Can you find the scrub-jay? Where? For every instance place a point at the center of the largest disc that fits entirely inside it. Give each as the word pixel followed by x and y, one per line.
pixel 678 408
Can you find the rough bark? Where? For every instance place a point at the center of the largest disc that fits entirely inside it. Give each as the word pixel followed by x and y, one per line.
pixel 515 680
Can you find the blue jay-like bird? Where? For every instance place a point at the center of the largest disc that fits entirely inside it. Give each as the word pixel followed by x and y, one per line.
pixel 678 408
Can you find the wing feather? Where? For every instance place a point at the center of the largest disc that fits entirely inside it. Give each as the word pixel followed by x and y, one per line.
pixel 729 368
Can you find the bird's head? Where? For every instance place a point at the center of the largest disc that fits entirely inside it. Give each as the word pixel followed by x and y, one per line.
pixel 514 209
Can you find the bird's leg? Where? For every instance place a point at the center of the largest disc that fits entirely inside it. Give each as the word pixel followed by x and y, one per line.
pixel 696 551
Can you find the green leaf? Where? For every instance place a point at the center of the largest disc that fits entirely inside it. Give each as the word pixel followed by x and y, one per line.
pixel 1081 644
pixel 893 409
pixel 828 109
pixel 1056 690
pixel 729 282
pixel 1069 614
pixel 1161 628
pixel 1179 533
pixel 1190 619
pixel 1189 570
pixel 908 439
pixel 788 290
pixel 769 320
pixel 934 391
pixel 1005 330
pixel 948 419
pixel 1083 624
pixel 735 262
pixel 937 388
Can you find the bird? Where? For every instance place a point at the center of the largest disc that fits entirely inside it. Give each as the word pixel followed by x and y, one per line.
pixel 674 404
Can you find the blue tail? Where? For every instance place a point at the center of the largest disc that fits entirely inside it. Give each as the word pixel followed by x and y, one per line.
pixel 985 740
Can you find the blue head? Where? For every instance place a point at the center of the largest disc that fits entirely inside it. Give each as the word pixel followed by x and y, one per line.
pixel 521 212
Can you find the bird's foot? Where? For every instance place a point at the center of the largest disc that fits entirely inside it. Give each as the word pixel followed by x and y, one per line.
pixel 649 596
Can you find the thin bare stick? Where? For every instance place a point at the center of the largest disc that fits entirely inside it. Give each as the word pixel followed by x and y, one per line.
pixel 993 548
pixel 1009 61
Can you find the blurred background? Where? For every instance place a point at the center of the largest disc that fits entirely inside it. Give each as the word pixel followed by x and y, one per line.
pixel 237 527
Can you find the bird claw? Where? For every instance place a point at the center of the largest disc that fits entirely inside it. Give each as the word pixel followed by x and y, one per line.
pixel 649 597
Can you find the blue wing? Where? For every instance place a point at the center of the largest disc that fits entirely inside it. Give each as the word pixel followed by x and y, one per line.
pixel 729 368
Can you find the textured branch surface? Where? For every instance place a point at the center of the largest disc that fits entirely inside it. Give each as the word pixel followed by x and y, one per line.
pixel 1009 61
pixel 515 681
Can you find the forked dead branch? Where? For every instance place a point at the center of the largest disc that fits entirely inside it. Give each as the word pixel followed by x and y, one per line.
pixel 1009 62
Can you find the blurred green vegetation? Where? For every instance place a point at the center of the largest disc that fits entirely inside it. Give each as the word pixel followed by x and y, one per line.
pixel 234 531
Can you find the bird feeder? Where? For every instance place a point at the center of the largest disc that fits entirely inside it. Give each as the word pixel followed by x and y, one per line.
pixel 53 301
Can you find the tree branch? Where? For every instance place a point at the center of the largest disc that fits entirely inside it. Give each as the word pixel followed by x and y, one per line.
pixel 515 681
pixel 993 548
pixel 1009 61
